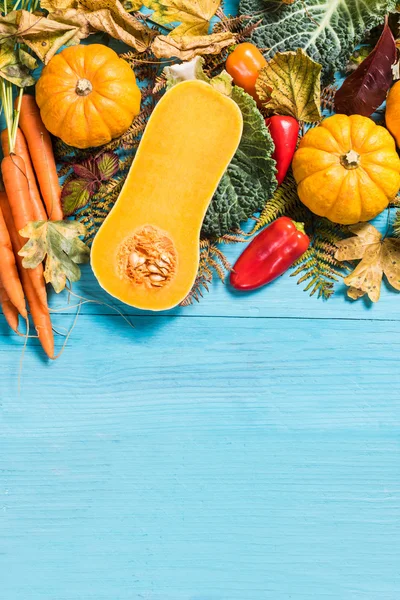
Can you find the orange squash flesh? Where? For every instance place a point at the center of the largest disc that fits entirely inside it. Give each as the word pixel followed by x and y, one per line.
pixel 188 144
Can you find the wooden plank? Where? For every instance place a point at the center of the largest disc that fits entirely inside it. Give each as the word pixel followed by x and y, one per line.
pixel 211 459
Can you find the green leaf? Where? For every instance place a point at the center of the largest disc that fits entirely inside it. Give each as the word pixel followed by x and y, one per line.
pixel 107 165
pixel 59 243
pixel 75 195
pixel 250 178
pixel 328 30
pixel 290 84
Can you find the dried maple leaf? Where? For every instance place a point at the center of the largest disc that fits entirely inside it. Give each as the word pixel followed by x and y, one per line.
pixel 188 46
pixel 193 15
pixel 290 84
pixel 378 256
pixel 59 243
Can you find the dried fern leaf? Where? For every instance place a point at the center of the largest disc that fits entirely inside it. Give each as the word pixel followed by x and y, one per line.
pixel 212 261
pixel 318 266
pixel 285 201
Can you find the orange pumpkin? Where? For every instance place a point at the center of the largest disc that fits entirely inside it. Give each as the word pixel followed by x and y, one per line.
pixel 392 114
pixel 347 169
pixel 87 95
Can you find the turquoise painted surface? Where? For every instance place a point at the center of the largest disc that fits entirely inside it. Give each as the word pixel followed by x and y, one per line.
pixel 246 448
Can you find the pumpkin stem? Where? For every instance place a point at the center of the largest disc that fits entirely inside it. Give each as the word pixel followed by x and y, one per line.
pixel 83 87
pixel 350 160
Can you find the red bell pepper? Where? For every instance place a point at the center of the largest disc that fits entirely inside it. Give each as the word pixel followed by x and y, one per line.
pixel 285 133
pixel 269 254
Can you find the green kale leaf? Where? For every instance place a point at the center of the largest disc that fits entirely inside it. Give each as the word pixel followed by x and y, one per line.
pixel 328 30
pixel 249 181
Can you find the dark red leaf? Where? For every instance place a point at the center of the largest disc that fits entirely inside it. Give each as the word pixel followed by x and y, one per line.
pixel 366 88
pixel 87 170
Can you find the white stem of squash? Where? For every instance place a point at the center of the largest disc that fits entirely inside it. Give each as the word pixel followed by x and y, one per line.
pixel 194 69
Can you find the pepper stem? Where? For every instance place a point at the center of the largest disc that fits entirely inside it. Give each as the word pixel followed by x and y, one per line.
pixel 299 226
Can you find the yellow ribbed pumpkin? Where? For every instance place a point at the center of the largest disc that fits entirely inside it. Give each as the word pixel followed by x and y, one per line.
pixel 87 96
pixel 347 169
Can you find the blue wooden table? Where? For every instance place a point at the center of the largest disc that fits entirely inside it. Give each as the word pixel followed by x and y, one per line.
pixel 246 448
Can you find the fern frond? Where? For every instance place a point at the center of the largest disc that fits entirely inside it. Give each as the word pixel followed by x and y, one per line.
pixel 396 224
pixel 395 203
pixel 160 83
pixel 328 97
pixel 318 265
pixel 233 238
pixel 214 63
pixel 212 261
pixel 285 201
pixel 220 256
pixel 217 267
pixel 145 64
pixel 64 169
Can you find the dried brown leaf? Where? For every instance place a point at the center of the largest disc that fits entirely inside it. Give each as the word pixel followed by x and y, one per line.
pixel 377 256
pixel 187 47
pixel 108 16
pixel 53 5
pixel 45 36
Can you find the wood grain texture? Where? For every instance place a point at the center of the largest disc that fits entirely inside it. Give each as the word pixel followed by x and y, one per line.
pixel 204 458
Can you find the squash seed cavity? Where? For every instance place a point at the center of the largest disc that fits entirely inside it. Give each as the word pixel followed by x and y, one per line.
pixel 148 257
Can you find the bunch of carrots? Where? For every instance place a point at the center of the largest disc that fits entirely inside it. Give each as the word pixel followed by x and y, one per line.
pixel 32 193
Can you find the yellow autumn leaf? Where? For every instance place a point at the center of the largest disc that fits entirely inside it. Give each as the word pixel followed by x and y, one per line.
pixel 193 15
pixel 57 243
pixel 378 257
pixel 290 84
pixel 53 5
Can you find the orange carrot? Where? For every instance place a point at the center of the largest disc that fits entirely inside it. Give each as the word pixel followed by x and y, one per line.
pixel 8 270
pixel 17 190
pixel 9 311
pixel 40 313
pixel 41 151
pixel 21 149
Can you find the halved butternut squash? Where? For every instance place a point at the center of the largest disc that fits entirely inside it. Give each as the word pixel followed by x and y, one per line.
pixel 147 251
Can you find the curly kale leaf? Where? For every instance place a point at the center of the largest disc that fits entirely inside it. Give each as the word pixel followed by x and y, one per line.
pixel 250 178
pixel 328 30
